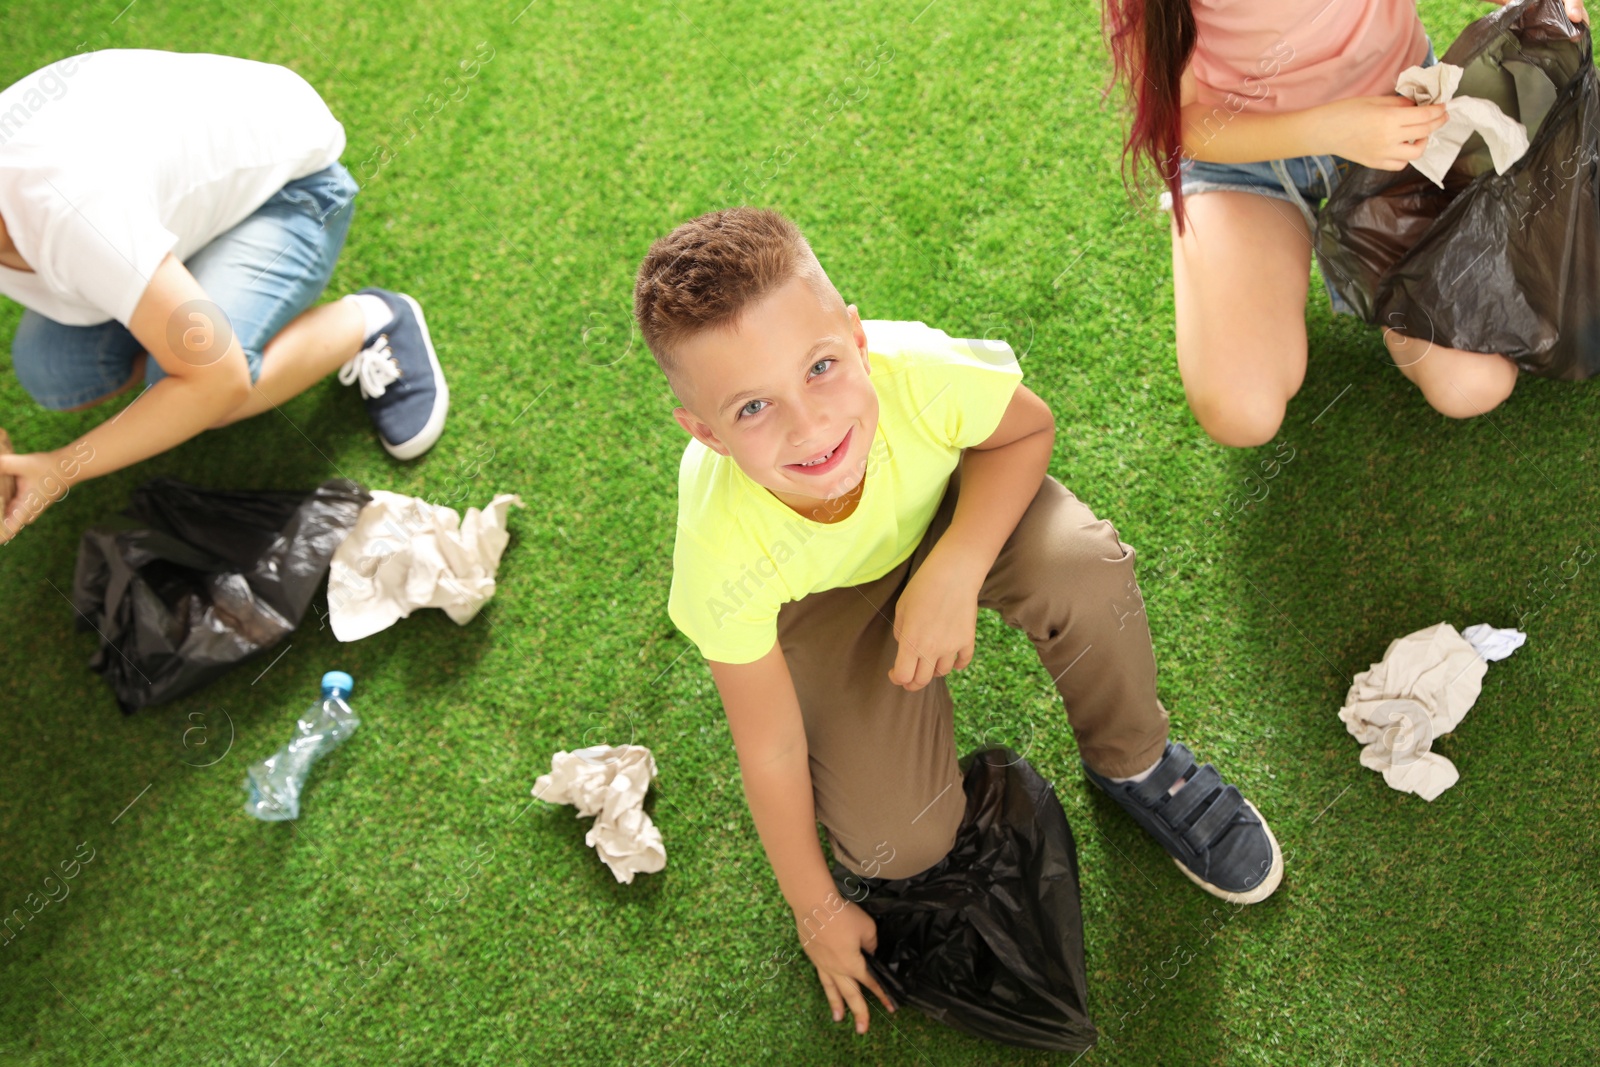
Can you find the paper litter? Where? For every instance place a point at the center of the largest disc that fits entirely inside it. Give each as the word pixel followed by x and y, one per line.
pixel 1493 644
pixel 405 553
pixel 1423 687
pixel 1506 137
pixel 609 782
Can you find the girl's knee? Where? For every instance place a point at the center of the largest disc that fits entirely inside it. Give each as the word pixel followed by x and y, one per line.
pixel 1239 419
pixel 1472 386
pixel 1240 397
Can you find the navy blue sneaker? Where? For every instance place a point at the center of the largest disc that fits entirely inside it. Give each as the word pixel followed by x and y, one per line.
pixel 401 381
pixel 1213 834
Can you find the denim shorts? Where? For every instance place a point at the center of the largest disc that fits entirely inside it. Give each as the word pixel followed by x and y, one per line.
pixel 261 273
pixel 1304 181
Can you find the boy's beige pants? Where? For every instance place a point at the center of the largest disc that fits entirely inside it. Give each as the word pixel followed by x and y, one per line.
pixel 883 760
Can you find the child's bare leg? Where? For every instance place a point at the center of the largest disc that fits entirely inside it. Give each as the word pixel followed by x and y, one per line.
pixel 310 348
pixel 1456 383
pixel 1239 274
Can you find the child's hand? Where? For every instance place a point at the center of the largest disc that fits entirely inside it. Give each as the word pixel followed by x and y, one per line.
pixel 37 485
pixel 1575 12
pixel 1382 132
pixel 836 950
pixel 936 623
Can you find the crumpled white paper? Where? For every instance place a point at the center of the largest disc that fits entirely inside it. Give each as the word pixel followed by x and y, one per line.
pixel 609 782
pixel 1423 687
pixel 1506 137
pixel 405 553
pixel 1493 644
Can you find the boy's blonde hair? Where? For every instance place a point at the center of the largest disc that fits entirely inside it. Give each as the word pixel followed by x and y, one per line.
pixel 707 272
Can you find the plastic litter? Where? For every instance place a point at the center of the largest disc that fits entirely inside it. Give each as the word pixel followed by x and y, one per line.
pixel 989 940
pixel 274 784
pixel 202 579
pixel 609 782
pixel 1506 263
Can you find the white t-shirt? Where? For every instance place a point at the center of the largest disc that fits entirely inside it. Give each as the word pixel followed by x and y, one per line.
pixel 112 159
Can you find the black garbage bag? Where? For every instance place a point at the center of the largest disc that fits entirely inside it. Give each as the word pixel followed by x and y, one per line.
pixel 990 939
pixel 202 579
pixel 1506 263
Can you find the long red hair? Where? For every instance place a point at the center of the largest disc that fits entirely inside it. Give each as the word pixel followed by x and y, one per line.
pixel 1151 41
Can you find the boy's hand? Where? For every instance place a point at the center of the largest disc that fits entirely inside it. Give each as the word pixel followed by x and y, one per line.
pixel 836 951
pixel 936 623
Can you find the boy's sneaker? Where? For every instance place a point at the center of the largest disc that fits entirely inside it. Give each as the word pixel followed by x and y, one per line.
pixel 401 381
pixel 1215 836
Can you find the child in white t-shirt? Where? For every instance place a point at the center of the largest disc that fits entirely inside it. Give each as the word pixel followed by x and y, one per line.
pixel 172 217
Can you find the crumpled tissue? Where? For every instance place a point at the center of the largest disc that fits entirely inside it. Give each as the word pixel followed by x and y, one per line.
pixel 1506 137
pixel 1423 687
pixel 609 782
pixel 1493 644
pixel 405 553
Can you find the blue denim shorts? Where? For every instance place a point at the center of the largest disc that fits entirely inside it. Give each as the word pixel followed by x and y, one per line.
pixel 1304 181
pixel 262 273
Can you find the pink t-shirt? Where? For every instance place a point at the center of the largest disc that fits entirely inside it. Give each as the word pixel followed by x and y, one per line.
pixel 1289 55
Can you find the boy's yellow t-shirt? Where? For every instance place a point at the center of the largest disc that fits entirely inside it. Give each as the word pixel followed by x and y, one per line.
pixel 741 553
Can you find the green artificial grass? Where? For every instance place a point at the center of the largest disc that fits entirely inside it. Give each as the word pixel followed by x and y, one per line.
pixel 972 183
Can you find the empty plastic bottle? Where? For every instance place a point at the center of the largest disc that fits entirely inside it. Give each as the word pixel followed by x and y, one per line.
pixel 274 784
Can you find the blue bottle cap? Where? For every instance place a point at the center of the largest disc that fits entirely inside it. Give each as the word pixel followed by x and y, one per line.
pixel 338 680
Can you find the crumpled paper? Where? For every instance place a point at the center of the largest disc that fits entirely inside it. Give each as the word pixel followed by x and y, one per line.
pixel 1423 687
pixel 1506 137
pixel 609 782
pixel 405 553
pixel 1493 644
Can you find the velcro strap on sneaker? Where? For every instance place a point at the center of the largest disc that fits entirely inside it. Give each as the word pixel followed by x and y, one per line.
pixel 1178 763
pixel 1187 802
pixel 1217 818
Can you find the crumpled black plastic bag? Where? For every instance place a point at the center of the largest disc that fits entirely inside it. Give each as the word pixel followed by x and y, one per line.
pixel 1490 263
pixel 990 939
pixel 203 579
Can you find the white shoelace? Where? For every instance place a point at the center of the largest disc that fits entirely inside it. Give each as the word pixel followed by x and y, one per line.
pixel 374 366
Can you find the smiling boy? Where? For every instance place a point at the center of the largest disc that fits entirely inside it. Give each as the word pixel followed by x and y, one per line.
pixel 854 492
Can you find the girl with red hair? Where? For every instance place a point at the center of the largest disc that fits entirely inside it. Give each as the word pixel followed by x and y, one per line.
pixel 1252 110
